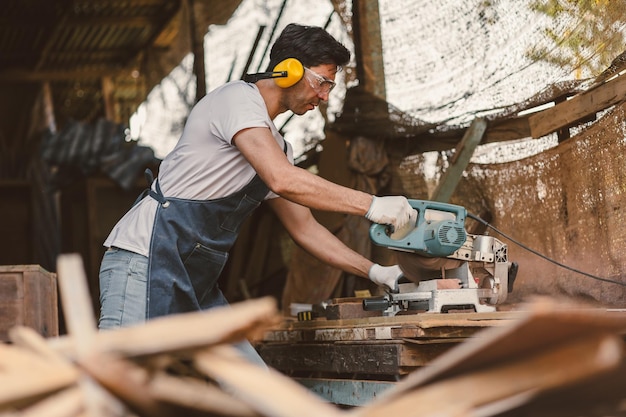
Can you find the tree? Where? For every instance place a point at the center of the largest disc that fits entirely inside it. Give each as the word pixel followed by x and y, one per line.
pixel 583 36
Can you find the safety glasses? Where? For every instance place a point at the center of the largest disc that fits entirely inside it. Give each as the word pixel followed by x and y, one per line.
pixel 319 83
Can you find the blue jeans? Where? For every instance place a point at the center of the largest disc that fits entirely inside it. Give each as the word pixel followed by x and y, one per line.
pixel 123 286
pixel 123 294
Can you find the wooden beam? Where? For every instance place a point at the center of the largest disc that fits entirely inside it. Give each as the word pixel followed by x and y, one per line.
pixel 35 22
pixel 508 129
pixel 578 108
pixel 368 46
pixel 394 357
pixel 91 56
pixel 460 160
pixel 27 75
pixel 113 21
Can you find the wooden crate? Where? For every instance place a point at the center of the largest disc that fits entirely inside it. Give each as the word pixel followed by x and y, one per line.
pixel 28 297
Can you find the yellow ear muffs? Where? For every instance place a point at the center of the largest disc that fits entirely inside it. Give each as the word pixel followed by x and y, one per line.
pixel 286 73
pixel 294 72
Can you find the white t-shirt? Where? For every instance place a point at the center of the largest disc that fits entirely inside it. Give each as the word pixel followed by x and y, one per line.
pixel 204 164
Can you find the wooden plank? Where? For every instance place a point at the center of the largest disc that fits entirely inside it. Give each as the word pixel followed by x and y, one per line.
pixel 577 108
pixel 25 376
pixel 128 382
pixel 583 398
pixel 339 358
pixel 544 325
pixel 418 355
pixel 28 338
pixel 423 326
pixel 185 332
pixel 464 151
pixel 81 324
pixel 265 390
pixel 424 320
pixel 359 358
pixel 477 392
pixel 66 403
pixel 196 395
pixel 334 358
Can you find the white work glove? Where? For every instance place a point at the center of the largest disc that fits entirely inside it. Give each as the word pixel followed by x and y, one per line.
pixel 393 210
pixel 386 276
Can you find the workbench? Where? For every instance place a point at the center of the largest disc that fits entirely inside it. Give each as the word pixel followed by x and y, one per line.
pixel 351 361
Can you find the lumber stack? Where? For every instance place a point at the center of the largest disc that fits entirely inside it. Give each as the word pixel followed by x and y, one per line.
pixel 554 360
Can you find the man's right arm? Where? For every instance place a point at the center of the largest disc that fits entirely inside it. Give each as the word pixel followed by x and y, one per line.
pixel 300 186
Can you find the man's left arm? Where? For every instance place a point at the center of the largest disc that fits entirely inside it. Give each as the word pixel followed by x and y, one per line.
pixel 309 234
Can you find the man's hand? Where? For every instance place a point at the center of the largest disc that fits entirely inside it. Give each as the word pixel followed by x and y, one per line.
pixel 393 210
pixel 386 276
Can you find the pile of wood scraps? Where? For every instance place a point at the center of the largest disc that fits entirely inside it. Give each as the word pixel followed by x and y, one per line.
pixel 549 360
pixel 557 360
pixel 173 366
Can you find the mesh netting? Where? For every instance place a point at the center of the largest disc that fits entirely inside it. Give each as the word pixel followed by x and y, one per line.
pixel 565 203
pixel 447 61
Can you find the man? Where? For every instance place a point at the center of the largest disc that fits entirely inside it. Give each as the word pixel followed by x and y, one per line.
pixel 166 254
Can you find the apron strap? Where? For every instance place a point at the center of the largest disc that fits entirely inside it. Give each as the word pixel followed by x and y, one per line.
pixel 157 194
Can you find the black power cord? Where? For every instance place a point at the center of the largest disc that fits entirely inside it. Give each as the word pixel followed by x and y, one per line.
pixel 478 219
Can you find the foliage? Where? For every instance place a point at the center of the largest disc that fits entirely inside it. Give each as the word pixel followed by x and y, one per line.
pixel 582 36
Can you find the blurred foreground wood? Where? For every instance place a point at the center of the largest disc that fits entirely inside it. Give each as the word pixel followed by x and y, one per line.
pixel 552 360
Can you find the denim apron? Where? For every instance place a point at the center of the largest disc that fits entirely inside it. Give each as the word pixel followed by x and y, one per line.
pixel 189 248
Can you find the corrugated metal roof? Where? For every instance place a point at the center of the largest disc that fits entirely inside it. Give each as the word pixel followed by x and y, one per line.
pixel 74 44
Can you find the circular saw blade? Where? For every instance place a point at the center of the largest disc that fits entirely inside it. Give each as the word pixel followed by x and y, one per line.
pixel 417 268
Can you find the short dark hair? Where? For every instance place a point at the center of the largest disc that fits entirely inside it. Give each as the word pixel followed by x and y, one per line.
pixel 311 45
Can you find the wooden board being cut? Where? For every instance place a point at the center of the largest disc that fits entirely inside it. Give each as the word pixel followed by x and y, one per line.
pixel 374 347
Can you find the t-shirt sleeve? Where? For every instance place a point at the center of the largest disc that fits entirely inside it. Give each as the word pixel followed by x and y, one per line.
pixel 240 106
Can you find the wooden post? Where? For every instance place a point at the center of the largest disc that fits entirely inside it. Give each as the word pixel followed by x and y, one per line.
pixel 368 47
pixel 460 160
pixel 49 107
pixel 107 97
pixel 197 47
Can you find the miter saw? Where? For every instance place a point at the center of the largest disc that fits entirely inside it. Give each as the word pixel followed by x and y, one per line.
pixel 436 248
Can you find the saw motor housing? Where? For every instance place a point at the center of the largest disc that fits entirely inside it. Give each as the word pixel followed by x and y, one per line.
pixel 439 230
pixel 479 262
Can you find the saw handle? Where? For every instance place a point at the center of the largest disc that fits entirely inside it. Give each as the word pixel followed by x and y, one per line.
pixel 376 304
